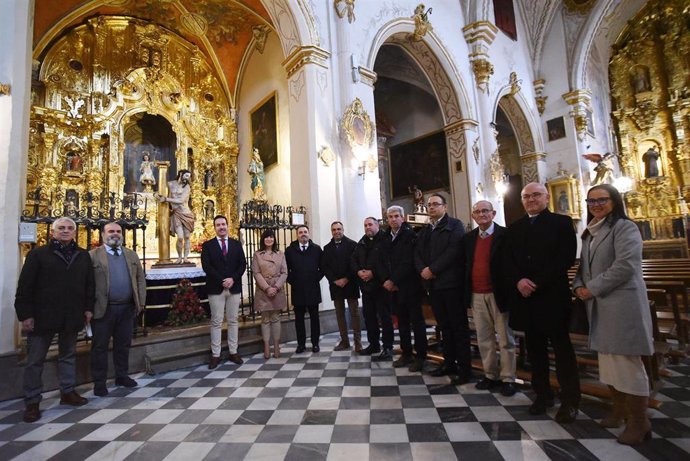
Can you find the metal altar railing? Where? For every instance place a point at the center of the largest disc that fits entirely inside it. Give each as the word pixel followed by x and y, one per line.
pixel 257 216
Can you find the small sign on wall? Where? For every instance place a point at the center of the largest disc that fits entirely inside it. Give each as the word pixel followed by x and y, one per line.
pixel 27 232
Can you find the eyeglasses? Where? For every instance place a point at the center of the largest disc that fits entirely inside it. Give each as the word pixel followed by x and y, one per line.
pixel 532 195
pixel 434 204
pixel 597 201
pixel 482 211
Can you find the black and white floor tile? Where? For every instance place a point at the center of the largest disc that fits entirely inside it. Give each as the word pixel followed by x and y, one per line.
pixel 326 406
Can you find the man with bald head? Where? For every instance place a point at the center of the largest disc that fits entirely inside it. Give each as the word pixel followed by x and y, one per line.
pixel 120 296
pixel 482 255
pixel 540 248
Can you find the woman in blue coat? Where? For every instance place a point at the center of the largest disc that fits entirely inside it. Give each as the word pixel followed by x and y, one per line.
pixel 610 282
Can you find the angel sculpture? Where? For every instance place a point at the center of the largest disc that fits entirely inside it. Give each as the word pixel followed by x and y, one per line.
pixel 603 168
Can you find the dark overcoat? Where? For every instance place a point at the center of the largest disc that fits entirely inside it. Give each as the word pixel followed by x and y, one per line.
pixel 218 267
pixel 304 273
pixel 372 254
pixel 439 249
pixel 335 264
pixel 541 251
pixel 402 270
pixel 53 292
pixel 496 272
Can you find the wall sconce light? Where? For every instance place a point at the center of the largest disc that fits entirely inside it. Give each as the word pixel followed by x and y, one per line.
pixel 362 169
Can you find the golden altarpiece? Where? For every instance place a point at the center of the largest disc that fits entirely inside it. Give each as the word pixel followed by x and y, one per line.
pixel 650 89
pixel 114 97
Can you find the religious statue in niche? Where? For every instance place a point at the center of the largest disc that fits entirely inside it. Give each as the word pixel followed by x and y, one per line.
pixel 641 79
pixel 146 169
pixel 71 202
pixel 256 171
pixel 209 210
pixel 73 162
pixel 182 218
pixel 651 163
pixel 563 204
pixel 209 179
pixel 418 197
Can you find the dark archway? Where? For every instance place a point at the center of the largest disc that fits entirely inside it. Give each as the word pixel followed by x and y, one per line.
pixel 152 135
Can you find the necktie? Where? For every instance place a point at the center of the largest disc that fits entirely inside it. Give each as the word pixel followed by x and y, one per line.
pixel 115 251
pixel 223 248
pixel 483 234
pixel 304 248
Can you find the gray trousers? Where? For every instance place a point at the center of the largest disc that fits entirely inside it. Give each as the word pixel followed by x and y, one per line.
pixel 38 345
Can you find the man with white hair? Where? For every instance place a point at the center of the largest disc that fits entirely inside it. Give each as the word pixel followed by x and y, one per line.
pixel 120 296
pixel 55 294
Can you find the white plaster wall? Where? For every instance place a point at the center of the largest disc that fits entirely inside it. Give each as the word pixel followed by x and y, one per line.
pixel 16 29
pixel 263 75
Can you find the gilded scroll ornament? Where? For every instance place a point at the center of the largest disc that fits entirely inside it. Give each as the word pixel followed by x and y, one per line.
pixel 482 70
pixel 357 126
pixel 4 88
pixel 421 23
pixel 345 8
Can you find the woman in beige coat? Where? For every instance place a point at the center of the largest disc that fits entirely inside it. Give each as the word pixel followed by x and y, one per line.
pixel 270 273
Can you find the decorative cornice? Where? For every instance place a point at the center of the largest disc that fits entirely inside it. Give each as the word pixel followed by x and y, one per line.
pixel 369 77
pixel 578 97
pixel 306 55
pixel 461 125
pixel 533 157
pixel 482 69
pixel 539 94
pixel 580 101
pixel 480 31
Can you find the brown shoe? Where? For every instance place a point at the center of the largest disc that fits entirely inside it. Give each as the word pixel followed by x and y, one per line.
pixel 358 346
pixel 72 398
pixel 342 345
pixel 235 358
pixel 32 413
pixel 213 363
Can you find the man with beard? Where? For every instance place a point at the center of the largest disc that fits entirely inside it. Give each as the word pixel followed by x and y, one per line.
pixel 54 295
pixel 182 219
pixel 120 296
pixel 370 263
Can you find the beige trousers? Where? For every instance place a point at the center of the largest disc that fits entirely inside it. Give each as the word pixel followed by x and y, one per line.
pixel 489 322
pixel 270 325
pixel 223 305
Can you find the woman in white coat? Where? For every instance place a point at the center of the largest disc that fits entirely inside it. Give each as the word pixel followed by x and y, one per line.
pixel 610 282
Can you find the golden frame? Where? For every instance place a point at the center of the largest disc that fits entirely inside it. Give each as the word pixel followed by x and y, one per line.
pixel 267 128
pixel 564 196
pixel 357 126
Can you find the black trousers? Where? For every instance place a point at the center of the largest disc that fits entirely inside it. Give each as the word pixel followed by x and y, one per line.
pixel 314 325
pixel 537 340
pixel 408 308
pixel 377 308
pixel 117 323
pixel 451 317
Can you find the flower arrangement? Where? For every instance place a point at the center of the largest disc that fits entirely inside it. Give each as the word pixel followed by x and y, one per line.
pixel 196 247
pixel 186 307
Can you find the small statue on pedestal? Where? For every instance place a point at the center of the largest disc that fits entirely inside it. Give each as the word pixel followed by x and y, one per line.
pixel 418 197
pixel 146 169
pixel 182 218
pixel 256 171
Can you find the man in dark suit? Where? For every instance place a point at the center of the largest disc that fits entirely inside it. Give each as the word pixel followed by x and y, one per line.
pixel 540 248
pixel 436 260
pixel 303 259
pixel 335 264
pixel 481 255
pixel 370 262
pixel 405 288
pixel 223 260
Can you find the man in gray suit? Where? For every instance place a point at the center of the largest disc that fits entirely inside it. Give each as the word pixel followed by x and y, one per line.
pixel 120 296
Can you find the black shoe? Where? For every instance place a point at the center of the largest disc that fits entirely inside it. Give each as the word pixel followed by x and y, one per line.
pixel 370 349
pixel 32 413
pixel 487 383
pixel 100 390
pixel 235 358
pixel 458 380
pixel 403 361
pixel 416 366
pixel 540 405
pixel 126 382
pixel 566 414
pixel 443 370
pixel 300 349
pixel 385 355
pixel 315 349
pixel 508 389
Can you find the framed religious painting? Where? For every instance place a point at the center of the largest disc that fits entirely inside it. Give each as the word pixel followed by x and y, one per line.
pixel 555 128
pixel 565 196
pixel 264 126
pixel 421 162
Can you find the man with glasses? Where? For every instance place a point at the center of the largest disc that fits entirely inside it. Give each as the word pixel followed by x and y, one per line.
pixel 540 248
pixel 481 255
pixel 436 261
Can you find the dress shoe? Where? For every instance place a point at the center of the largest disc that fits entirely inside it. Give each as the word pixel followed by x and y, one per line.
pixel 126 382
pixel 508 389
pixel 540 405
pixel 342 346
pixel 300 349
pixel 385 355
pixel 358 346
pixel 72 398
pixel 459 380
pixel 416 366
pixel 370 349
pixel 315 349
pixel 487 383
pixel 31 413
pixel 213 363
pixel 443 370
pixel 566 414
pixel 235 358
pixel 403 361
pixel 100 390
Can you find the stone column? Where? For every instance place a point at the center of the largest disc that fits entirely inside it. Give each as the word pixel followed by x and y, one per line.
pixel 16 31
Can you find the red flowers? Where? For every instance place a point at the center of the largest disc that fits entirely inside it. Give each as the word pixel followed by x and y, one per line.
pixel 186 307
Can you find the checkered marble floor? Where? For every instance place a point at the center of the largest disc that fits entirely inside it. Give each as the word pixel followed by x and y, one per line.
pixel 326 406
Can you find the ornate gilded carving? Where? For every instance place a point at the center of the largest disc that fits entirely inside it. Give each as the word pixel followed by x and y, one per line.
pixel 345 8
pixel 421 23
pixel 482 70
pixel 260 34
pixel 580 100
pixel 357 126
pixel 326 155
pixel 514 83
pixel 539 95
pixel 4 89
pixel 579 6
pixel 306 55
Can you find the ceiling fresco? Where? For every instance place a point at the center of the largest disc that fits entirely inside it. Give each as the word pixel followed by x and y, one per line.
pixel 222 29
